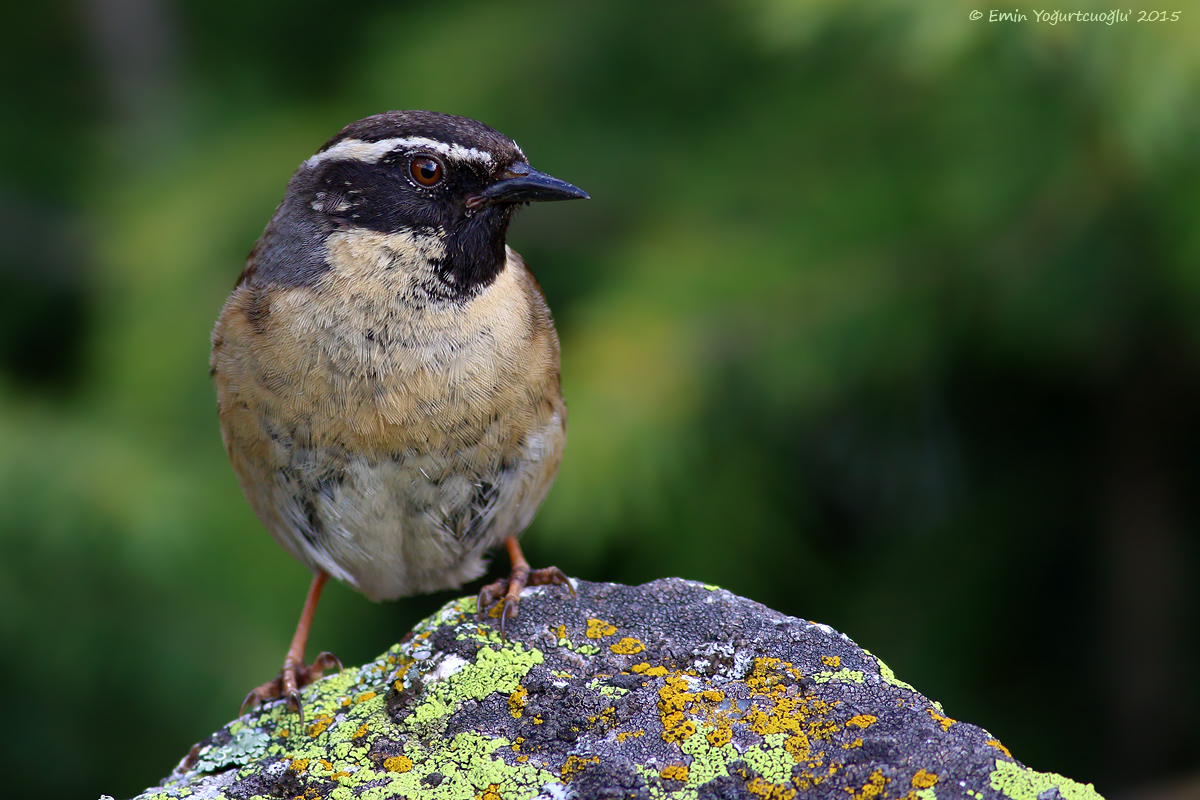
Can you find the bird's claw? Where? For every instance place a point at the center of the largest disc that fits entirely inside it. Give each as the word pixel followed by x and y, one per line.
pixel 322 662
pixel 253 698
pixel 288 683
pixel 506 592
pixel 292 699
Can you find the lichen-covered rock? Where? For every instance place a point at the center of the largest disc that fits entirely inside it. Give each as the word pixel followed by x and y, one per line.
pixel 668 690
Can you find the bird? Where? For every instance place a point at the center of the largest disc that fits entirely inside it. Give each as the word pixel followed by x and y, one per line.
pixel 387 369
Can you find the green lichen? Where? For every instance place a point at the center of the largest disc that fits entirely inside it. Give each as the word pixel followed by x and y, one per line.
pixel 651 777
pixel 246 745
pixel 773 762
pixel 889 677
pixel 841 675
pixel 583 649
pixel 602 686
pixel 467 765
pixel 343 716
pixel 492 671
pixel 1022 783
pixel 708 762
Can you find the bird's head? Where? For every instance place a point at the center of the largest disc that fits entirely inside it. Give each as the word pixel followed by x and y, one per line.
pixel 446 185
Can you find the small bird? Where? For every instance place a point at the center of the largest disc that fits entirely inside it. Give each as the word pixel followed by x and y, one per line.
pixel 387 370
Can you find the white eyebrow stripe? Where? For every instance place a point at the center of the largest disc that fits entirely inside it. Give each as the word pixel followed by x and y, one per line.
pixel 371 152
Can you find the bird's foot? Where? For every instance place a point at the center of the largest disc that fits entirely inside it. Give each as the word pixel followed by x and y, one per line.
pixel 294 676
pixel 508 590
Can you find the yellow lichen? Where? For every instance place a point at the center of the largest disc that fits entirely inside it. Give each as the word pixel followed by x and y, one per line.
pixel 364 697
pixel 362 731
pixel 623 735
pixel 598 628
pixel 627 646
pixel 861 721
pixel 778 711
pixel 607 717
pixel 945 722
pixel 769 673
pixel 798 746
pixel 856 743
pixel 680 731
pixel 516 701
pixel 924 780
pixel 719 737
pixel 319 725
pixel 576 765
pixel 872 788
pixel 673 699
pixel 299 764
pixel 996 744
pixel 492 792
pixel 770 791
pixel 397 764
pixel 833 662
pixel 645 669
pixel 675 772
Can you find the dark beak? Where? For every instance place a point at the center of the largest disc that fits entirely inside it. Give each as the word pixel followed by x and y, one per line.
pixel 521 183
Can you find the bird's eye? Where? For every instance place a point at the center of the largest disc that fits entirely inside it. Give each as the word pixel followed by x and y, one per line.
pixel 426 170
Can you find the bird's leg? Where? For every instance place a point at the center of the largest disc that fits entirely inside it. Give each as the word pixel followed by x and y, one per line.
pixel 508 590
pixel 295 673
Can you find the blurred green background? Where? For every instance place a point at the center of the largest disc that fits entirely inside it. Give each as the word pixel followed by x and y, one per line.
pixel 880 316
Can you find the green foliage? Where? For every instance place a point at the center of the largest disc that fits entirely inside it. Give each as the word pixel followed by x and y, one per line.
pixel 880 316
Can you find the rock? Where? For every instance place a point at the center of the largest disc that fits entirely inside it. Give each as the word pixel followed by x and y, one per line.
pixel 669 690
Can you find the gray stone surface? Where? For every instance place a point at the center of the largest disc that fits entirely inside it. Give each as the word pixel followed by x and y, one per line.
pixel 668 690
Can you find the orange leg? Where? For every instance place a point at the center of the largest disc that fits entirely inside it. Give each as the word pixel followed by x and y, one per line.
pixel 508 590
pixel 295 673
